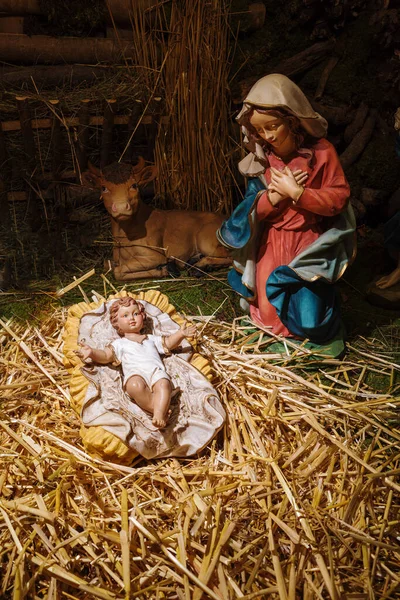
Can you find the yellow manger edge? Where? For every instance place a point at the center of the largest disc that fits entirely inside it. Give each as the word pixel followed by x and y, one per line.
pixel 97 440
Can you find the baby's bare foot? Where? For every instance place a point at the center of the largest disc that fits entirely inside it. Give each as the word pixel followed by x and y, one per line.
pixel 159 422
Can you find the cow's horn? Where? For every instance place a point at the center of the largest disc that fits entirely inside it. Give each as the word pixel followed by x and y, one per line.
pixel 140 165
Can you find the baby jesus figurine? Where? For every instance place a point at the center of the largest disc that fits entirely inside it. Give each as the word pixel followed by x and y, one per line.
pixel 144 376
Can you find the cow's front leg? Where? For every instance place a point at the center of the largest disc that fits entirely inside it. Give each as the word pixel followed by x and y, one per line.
pixel 125 273
pixel 213 262
pixel 138 261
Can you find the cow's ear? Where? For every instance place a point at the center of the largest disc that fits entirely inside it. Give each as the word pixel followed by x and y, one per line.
pixel 147 174
pixel 91 178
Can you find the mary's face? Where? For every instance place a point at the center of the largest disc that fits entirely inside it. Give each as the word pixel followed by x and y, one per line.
pixel 272 129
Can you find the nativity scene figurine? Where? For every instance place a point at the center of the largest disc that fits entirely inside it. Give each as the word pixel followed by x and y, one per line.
pixel 150 242
pixel 293 235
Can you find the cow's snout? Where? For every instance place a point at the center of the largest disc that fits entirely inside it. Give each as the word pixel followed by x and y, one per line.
pixel 123 208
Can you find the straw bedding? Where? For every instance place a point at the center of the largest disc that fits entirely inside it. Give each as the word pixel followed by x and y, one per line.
pixel 298 497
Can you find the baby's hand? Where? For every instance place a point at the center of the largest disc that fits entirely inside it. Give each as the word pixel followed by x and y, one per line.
pixel 85 351
pixel 188 330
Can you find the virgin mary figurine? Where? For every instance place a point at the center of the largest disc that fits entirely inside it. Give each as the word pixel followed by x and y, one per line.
pixel 293 235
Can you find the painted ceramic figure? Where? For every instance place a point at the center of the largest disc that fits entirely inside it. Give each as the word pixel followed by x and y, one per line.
pixel 292 236
pixel 145 379
pixel 150 242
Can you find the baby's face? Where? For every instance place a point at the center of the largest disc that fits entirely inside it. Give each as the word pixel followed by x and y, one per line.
pixel 130 319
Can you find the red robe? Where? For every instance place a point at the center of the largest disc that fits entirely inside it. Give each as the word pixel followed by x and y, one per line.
pixel 290 228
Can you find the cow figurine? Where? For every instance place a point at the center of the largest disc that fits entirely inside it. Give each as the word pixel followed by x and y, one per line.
pixel 149 242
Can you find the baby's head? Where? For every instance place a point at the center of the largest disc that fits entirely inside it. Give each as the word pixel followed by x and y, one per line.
pixel 127 316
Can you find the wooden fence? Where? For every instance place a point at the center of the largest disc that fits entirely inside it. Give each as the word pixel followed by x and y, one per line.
pixel 86 133
pixel 42 154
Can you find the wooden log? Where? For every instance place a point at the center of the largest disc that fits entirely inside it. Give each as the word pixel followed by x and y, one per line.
pixel 17 48
pixel 331 64
pixel 358 207
pixel 11 24
pixel 257 12
pixel 57 75
pixel 360 140
pixel 121 10
pixel 20 7
pixel 337 53
pixel 359 119
pixel 119 33
pixel 292 66
pixel 119 13
pixel 304 60
pixel 27 132
pixel 250 20
pixel 106 140
pixel 337 115
pixel 371 197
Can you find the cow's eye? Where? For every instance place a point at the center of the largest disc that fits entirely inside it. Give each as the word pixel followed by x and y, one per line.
pixel 104 189
pixel 134 186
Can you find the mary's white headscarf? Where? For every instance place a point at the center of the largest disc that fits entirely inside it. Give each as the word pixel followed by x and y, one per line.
pixel 276 91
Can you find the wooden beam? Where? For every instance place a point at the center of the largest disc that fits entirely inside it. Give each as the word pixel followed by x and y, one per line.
pixel 56 75
pixel 17 196
pixel 74 122
pixel 120 8
pixel 20 7
pixel 47 176
pixel 11 24
pixel 44 49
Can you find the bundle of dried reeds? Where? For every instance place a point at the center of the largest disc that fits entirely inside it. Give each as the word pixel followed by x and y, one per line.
pixel 194 151
pixel 297 498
